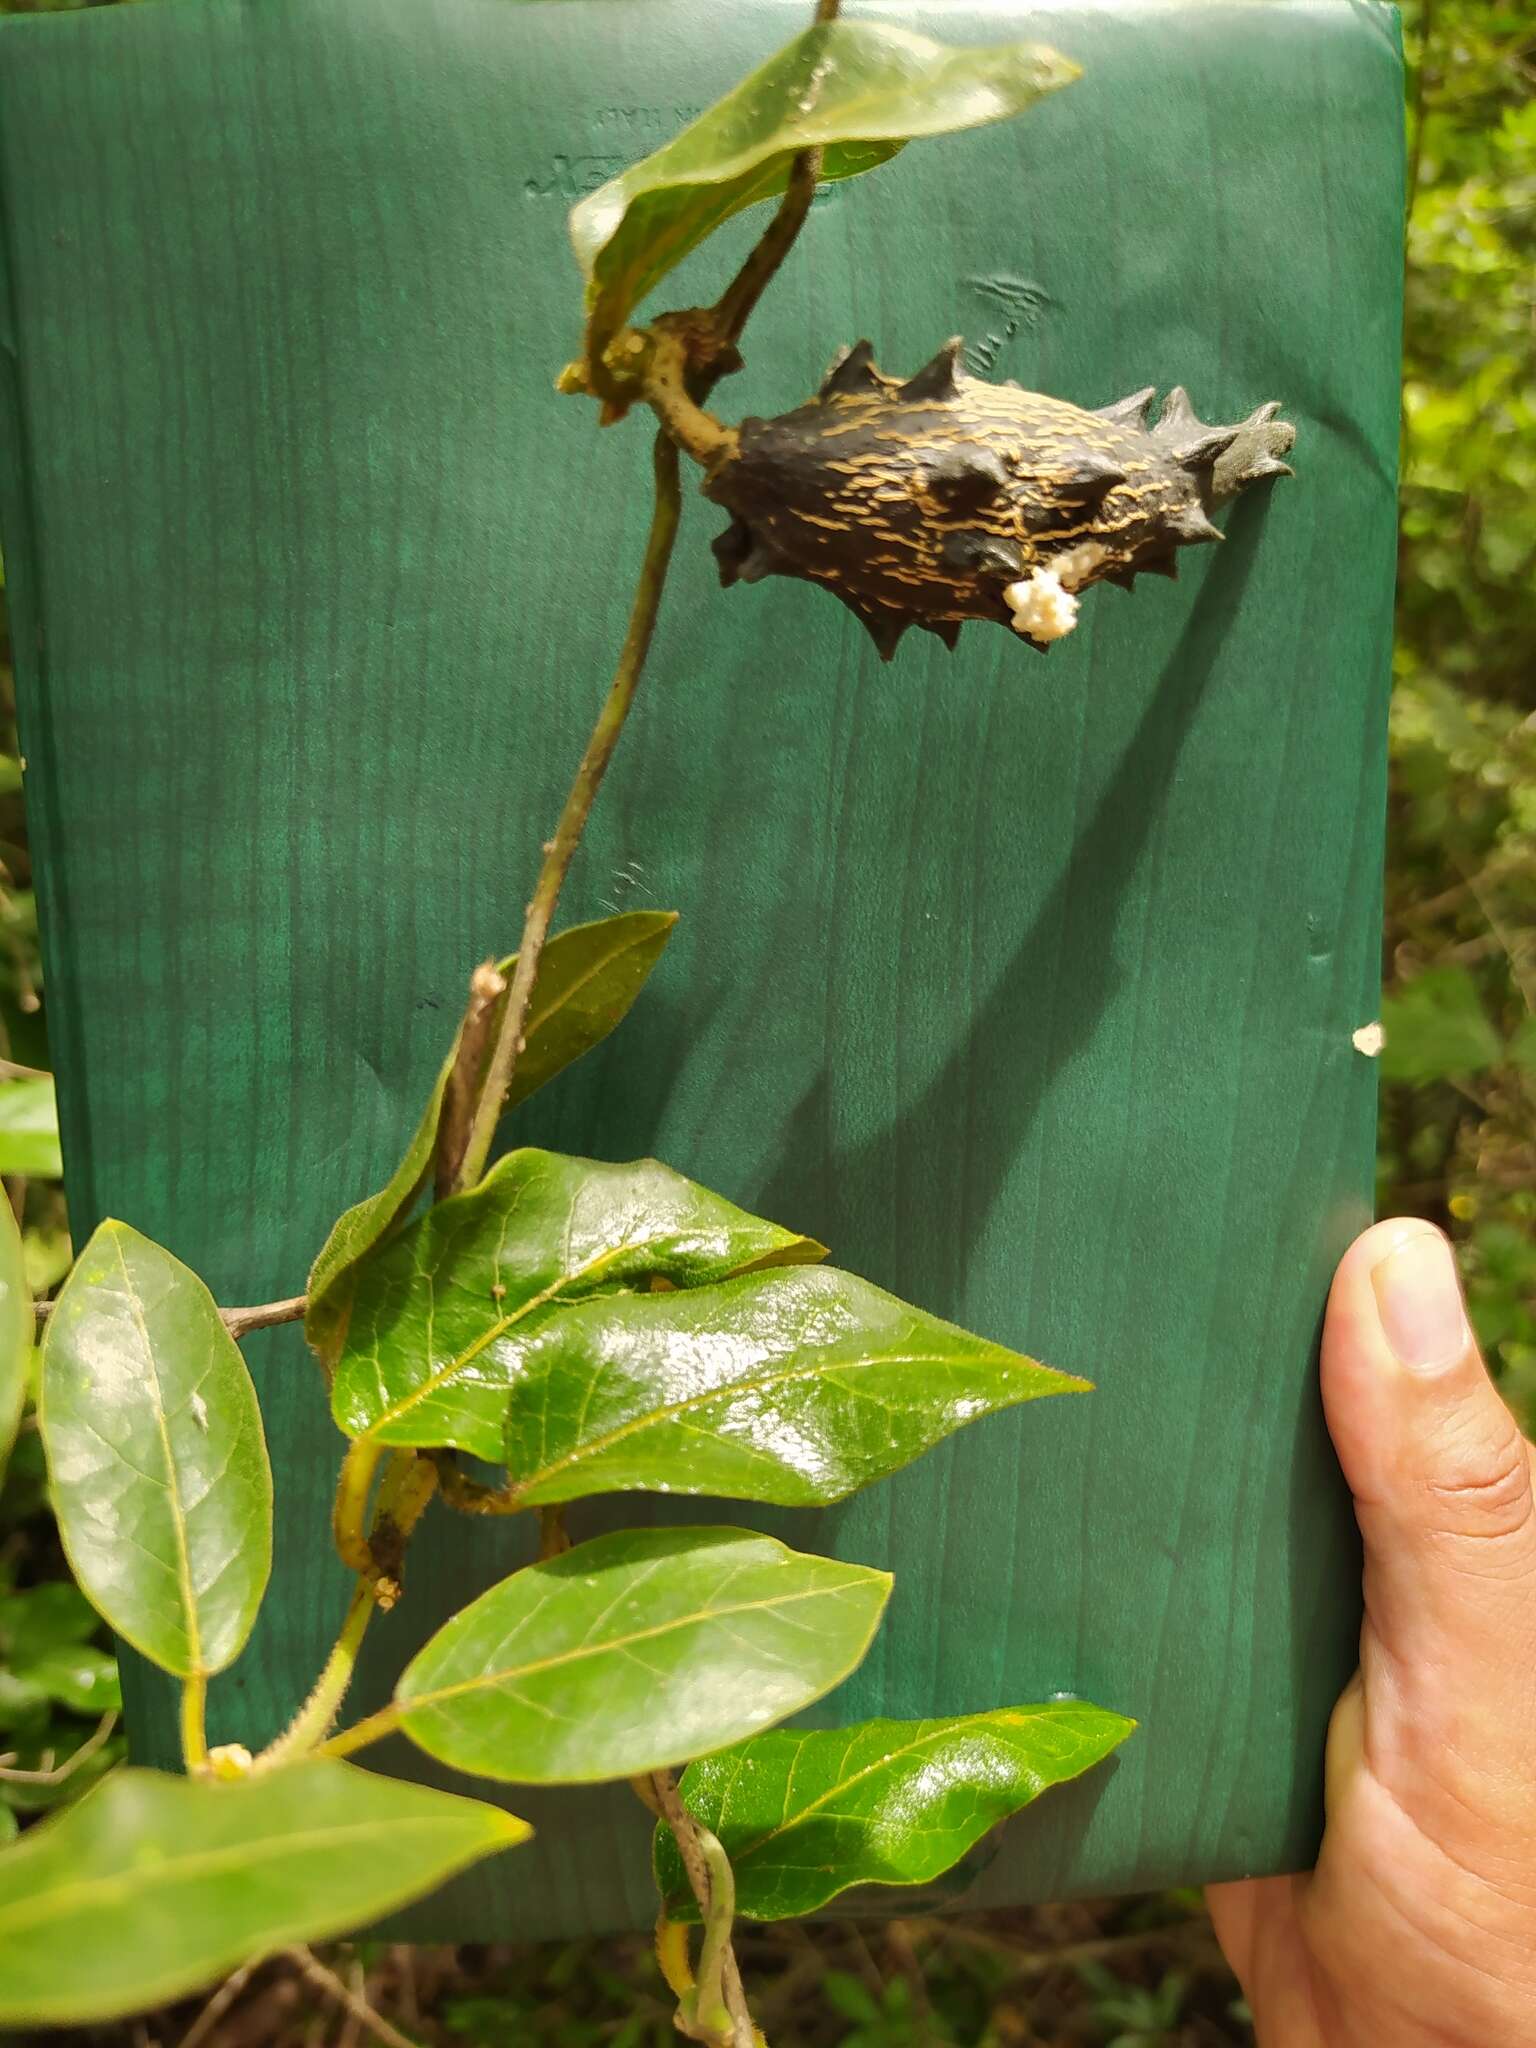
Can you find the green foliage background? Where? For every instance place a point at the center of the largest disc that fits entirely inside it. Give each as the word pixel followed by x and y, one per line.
pixel 1458 1122
pixel 1459 1070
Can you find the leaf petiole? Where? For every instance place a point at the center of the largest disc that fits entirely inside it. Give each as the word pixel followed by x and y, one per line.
pixel 194 1738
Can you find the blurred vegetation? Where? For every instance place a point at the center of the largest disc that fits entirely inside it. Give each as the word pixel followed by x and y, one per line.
pixel 1458 1112
pixel 1458 1144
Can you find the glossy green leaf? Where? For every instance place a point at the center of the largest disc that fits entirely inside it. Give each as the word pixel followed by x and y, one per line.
pixel 857 90
pixel 635 1651
pixel 442 1317
pixel 807 1813
pixel 588 978
pixel 29 1128
pixel 152 1885
pixel 156 1457
pixel 795 1387
pixel 16 1330
pixel 1436 1027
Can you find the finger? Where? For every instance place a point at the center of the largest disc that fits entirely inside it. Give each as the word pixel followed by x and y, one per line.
pixel 1440 1474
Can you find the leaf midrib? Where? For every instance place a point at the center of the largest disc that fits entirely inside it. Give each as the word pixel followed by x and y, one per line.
pixel 172 1490
pixel 802 1814
pixel 617 1644
pixel 671 1410
pixel 438 1380
pixel 73 1896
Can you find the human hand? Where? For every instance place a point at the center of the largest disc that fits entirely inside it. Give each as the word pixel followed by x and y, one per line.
pixel 1418 1927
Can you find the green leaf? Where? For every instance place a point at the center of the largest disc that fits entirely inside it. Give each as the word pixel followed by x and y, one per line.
pixel 857 90
pixel 81 1677
pixel 152 1885
pixel 29 1128
pixel 16 1330
pixel 1436 1027
pixel 794 1387
pixel 441 1318
pixel 804 1814
pixel 588 978
pixel 23 1702
pixel 1522 1045
pixel 42 1618
pixel 48 1253
pixel 156 1457
pixel 635 1651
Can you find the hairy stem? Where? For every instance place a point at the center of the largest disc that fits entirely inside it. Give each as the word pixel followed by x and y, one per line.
pixel 372 1728
pixel 408 1485
pixel 573 819
pixel 312 1723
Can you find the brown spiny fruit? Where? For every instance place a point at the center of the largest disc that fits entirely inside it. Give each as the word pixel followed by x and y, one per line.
pixel 947 498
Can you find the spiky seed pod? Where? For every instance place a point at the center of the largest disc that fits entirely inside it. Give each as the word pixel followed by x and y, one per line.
pixel 946 498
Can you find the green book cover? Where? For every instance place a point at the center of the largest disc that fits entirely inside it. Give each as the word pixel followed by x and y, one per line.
pixel 1028 986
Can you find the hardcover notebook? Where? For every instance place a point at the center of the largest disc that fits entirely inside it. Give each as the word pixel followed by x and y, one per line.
pixel 1029 987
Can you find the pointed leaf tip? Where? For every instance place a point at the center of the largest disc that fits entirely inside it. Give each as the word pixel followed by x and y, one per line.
pixel 152 1885
pixel 796 1387
pixel 805 1814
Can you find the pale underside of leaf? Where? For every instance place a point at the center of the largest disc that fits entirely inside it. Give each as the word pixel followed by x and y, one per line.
pixel 857 90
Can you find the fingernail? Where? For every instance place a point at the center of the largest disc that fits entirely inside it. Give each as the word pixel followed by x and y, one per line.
pixel 1418 1299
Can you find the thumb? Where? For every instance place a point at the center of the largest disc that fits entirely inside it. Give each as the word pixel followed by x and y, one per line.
pixel 1440 1473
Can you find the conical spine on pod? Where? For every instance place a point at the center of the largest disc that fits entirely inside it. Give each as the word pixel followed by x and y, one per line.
pixel 942 497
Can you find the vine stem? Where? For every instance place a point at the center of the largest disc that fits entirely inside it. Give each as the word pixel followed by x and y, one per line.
pixel 352 2002
pixel 313 1721
pixel 408 1485
pixel 560 850
pixel 372 1728
pixel 239 1322
pixel 717 1961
